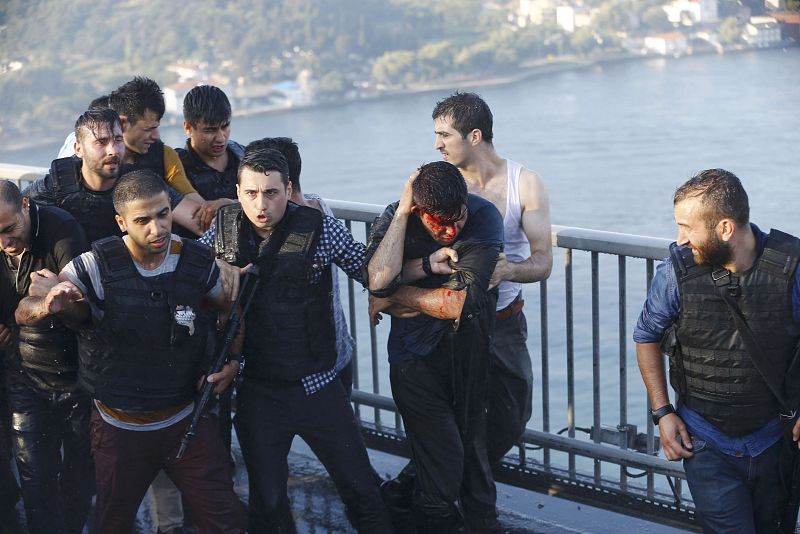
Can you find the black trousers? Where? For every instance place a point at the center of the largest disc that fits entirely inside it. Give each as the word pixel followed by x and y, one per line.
pixel 443 403
pixel 57 486
pixel 269 416
pixel 9 491
pixel 510 386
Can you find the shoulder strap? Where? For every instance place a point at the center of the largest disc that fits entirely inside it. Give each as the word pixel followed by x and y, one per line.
pixel 773 380
pixel 64 172
pixel 227 236
pixel 781 254
pixel 114 261
pixel 299 242
pixel 683 263
pixel 193 267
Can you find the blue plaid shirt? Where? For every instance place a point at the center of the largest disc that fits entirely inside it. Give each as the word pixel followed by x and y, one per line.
pixel 336 246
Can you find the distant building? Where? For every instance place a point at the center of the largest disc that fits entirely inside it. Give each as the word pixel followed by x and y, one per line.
pixel 176 92
pixel 569 18
pixel 789 22
pixel 692 12
pixel 667 44
pixel 536 12
pixel 762 31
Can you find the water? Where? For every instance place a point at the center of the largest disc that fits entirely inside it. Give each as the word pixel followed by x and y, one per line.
pixel 611 142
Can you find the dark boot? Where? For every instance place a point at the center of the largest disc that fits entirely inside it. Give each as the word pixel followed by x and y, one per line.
pixel 439 519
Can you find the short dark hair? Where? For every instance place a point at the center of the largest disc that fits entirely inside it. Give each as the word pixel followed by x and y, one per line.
pixel 92 119
pixel 467 112
pixel 10 194
pixel 101 102
pixel 134 98
pixel 440 189
pixel 290 151
pixel 259 157
pixel 137 185
pixel 207 103
pixel 721 193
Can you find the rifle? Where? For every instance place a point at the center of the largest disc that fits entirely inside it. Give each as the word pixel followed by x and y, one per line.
pixel 247 291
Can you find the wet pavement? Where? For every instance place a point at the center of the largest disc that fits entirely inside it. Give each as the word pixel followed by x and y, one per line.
pixel 317 508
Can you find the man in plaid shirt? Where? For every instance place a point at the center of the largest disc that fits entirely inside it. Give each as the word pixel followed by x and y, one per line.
pixel 289 384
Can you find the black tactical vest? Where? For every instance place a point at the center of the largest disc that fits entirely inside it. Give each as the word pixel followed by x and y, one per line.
pixel 290 330
pixel 210 183
pixel 711 369
pixel 94 210
pixel 147 352
pixel 153 160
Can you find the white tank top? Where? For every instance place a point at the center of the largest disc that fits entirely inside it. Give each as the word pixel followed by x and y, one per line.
pixel 516 245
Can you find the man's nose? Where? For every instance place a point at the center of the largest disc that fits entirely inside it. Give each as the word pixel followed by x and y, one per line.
pixel 155 135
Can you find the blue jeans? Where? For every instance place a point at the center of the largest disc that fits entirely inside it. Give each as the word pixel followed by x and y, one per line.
pixel 736 494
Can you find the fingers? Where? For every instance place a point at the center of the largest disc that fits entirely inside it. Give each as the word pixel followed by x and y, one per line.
pixel 229 277
pixel 670 428
pixel 42 281
pixel 224 377
pixel 6 336
pixel 796 431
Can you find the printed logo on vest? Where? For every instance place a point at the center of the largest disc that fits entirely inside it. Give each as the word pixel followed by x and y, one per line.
pixel 184 316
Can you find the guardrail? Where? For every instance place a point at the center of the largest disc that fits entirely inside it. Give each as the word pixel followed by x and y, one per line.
pixel 590 463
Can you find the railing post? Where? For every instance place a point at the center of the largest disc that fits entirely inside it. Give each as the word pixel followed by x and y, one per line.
pixel 570 356
pixel 623 360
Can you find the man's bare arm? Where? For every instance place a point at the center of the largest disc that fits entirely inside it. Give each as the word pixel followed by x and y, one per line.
pixel 536 225
pixel 441 303
pixel 387 262
pixel 64 300
pixel 670 427
pixel 185 214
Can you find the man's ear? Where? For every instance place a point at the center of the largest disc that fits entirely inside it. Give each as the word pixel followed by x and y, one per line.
pixel 123 120
pixel 120 223
pixel 726 227
pixel 475 137
pixel 187 128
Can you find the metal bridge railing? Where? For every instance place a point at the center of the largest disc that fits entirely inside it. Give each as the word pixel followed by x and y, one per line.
pixel 595 447
pixel 578 339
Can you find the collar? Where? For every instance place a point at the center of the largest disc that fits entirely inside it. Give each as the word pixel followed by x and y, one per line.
pixel 36 244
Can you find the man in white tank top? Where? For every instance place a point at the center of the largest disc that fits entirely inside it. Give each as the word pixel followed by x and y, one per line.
pixel 463 127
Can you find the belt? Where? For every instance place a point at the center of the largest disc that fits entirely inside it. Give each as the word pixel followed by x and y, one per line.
pixel 510 311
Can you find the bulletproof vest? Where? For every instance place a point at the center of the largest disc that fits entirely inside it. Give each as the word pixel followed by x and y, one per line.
pixel 153 160
pixel 210 183
pixel 147 351
pixel 289 330
pixel 94 210
pixel 711 368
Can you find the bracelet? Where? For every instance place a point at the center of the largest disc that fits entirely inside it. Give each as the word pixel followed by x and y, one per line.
pixel 426 265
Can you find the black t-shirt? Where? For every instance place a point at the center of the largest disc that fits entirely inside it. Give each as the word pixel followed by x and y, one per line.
pixel 478 246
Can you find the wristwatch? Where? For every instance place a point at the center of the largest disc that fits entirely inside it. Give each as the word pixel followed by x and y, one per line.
pixel 426 265
pixel 661 412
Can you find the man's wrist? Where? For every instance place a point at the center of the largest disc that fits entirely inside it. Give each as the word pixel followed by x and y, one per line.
pixel 426 265
pixel 661 412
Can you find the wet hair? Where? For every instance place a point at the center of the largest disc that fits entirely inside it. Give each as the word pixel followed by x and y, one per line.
pixel 137 185
pixel 10 194
pixel 259 157
pixel 287 147
pixel 207 103
pixel 93 119
pixel 101 102
pixel 721 194
pixel 467 112
pixel 134 98
pixel 440 189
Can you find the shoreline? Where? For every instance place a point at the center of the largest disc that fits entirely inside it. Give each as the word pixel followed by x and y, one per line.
pixel 532 69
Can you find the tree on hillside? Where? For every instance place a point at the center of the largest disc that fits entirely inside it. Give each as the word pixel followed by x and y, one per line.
pixel 729 31
pixel 655 18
